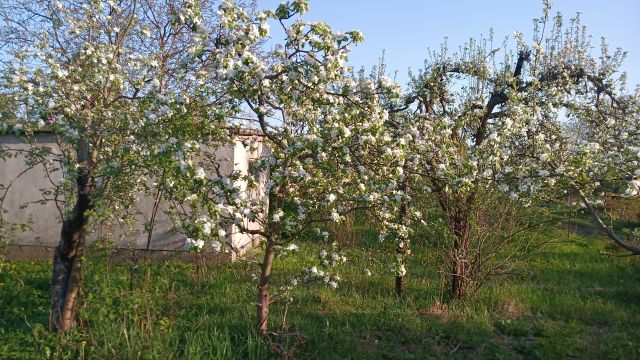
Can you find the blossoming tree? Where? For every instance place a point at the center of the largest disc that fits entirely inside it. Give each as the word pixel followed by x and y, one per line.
pixel 482 123
pixel 113 82
pixel 318 122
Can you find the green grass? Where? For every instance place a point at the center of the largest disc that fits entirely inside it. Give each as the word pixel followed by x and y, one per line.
pixel 569 302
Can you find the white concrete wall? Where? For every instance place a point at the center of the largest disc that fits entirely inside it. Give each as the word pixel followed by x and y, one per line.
pixel 243 157
pixel 23 196
pixel 46 220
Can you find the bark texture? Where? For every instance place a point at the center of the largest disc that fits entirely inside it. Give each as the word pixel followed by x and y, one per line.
pixel 67 257
pixel 262 307
pixel 459 278
pixel 273 236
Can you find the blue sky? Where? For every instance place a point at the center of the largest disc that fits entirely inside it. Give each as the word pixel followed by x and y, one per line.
pixel 405 29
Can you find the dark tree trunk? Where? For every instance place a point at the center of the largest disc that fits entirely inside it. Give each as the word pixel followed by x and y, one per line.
pixel 67 258
pixel 263 302
pixel 399 285
pixel 459 276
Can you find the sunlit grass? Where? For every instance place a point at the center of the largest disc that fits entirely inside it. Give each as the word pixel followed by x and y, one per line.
pixel 568 301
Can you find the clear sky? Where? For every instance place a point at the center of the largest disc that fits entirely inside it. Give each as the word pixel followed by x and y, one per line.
pixel 405 29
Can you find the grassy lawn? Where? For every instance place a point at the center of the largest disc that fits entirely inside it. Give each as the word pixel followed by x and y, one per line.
pixel 570 302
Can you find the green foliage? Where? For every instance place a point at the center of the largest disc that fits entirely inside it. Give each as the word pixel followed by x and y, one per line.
pixel 8 109
pixel 570 302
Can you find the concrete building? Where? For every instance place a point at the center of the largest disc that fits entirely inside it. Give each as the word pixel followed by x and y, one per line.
pixel 22 201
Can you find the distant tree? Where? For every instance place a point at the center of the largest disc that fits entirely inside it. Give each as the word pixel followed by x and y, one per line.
pixel 8 108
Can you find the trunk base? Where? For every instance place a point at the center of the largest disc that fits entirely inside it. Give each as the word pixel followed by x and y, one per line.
pixel 399 286
pixel 65 287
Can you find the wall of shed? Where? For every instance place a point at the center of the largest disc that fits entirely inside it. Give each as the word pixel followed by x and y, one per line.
pixel 45 220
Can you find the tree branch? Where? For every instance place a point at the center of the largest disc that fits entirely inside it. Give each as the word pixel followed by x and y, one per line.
pixel 609 231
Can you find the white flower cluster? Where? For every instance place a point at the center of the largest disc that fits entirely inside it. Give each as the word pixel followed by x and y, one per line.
pixel 633 188
pixel 314 273
pixel 193 244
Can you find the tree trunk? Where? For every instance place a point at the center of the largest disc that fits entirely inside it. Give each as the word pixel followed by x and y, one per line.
pixel 459 279
pixel 399 284
pixel 262 304
pixel 67 258
pixel 262 307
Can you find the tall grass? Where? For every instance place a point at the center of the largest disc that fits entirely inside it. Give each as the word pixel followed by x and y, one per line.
pixel 568 302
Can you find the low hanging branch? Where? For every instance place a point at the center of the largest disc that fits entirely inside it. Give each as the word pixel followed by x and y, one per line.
pixel 608 230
